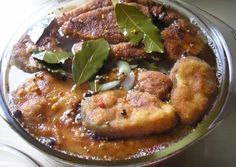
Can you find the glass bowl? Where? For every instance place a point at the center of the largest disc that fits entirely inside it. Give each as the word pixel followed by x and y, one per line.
pixel 10 156
pixel 222 39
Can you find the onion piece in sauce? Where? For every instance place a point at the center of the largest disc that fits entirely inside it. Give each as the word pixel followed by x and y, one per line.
pixel 110 85
pixel 123 67
pixel 128 83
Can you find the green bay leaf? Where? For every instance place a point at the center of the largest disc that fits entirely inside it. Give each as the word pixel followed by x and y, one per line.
pixel 154 67
pixel 89 60
pixel 57 70
pixel 53 57
pixel 137 27
pixel 114 2
pixel 149 66
pixel 95 86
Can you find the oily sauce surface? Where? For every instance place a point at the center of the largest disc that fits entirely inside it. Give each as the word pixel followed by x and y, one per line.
pixel 48 105
pixel 49 109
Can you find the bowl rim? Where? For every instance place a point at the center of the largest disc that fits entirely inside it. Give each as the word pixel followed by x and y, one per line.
pixel 202 129
pixel 19 153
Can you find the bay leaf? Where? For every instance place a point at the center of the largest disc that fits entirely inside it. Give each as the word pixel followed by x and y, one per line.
pixel 89 60
pixel 137 28
pixel 52 57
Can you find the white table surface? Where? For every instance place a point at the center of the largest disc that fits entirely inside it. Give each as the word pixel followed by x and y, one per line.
pixel 218 149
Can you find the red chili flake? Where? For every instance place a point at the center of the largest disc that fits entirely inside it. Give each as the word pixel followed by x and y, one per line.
pixel 101 104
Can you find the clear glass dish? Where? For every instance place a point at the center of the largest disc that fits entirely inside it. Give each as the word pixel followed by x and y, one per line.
pixel 221 37
pixel 10 157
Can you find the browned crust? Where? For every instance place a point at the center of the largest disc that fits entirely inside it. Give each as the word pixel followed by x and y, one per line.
pixel 126 115
pixel 90 5
pixel 194 83
pixel 155 83
pixel 99 23
pixel 21 54
pixel 181 38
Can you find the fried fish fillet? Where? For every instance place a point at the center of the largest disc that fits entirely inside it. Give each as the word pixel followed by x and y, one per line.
pixel 89 6
pixel 182 38
pixel 23 49
pixel 155 83
pixel 164 14
pixel 194 82
pixel 123 50
pixel 21 54
pixel 118 114
pixel 43 99
pixel 99 23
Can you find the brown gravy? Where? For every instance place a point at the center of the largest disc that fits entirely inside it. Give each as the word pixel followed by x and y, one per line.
pixel 49 110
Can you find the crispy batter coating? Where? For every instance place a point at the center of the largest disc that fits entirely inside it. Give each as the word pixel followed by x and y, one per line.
pixel 118 114
pixel 164 14
pixel 194 83
pixel 155 83
pixel 99 23
pixel 21 54
pixel 43 99
pixel 23 49
pixel 96 19
pixel 126 50
pixel 123 50
pixel 181 38
pixel 90 5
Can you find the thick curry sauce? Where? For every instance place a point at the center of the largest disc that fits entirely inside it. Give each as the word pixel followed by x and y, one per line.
pixel 61 115
pixel 49 108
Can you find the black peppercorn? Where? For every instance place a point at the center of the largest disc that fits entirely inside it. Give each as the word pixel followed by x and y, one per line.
pixel 185 54
pixel 78 107
pixel 88 93
pixel 49 141
pixel 124 113
pixel 17 114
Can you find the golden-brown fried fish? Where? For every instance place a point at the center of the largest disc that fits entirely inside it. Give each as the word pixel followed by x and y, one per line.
pixel 21 54
pixel 194 83
pixel 43 99
pixel 118 113
pixel 99 23
pixel 181 38
pixel 23 49
pixel 123 50
pixel 155 83
pixel 89 6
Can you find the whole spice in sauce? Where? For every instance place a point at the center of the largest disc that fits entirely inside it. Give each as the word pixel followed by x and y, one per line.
pixel 49 141
pixel 88 94
pixel 17 114
pixel 78 107
pixel 124 113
